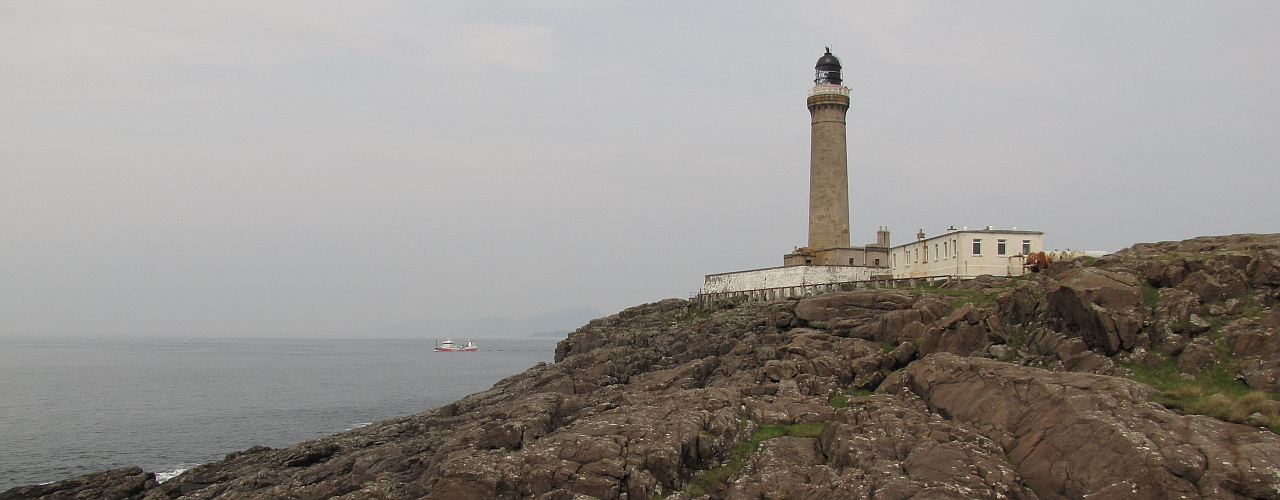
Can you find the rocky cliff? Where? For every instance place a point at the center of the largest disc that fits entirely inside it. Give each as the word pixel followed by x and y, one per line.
pixel 1016 388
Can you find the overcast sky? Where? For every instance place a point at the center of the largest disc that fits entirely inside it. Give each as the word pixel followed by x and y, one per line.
pixel 238 167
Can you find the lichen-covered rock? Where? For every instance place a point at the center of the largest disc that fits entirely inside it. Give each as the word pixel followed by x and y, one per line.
pixel 1075 435
pixel 129 483
pixel 965 331
pixel 1175 306
pixel 1195 357
pixel 851 309
pixel 1022 304
pixel 1217 286
pixel 882 446
pixel 1100 305
pixel 1265 269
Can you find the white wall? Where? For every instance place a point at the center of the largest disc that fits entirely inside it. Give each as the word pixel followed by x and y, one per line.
pixel 778 277
pixel 951 254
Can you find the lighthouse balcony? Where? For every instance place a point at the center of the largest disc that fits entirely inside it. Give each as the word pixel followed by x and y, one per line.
pixel 829 89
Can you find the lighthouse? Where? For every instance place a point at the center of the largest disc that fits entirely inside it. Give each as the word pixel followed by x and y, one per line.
pixel 828 103
pixel 828 158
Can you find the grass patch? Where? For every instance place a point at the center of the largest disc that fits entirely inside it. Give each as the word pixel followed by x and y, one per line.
pixel 1017 340
pixel 1213 392
pixel 862 393
pixel 961 297
pixel 701 484
pixel 1250 309
pixel 1150 296
pixel 837 400
pixel 887 346
pixel 695 313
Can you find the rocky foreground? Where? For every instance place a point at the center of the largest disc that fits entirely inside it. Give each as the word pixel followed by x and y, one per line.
pixel 991 388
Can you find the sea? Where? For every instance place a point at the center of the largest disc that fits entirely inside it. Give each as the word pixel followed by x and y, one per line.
pixel 71 406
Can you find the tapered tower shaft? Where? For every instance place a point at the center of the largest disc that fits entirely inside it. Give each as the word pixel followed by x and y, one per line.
pixel 828 158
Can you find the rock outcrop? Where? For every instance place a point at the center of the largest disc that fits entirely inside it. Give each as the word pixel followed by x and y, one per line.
pixel 991 388
pixel 1100 305
pixel 1076 435
pixel 120 484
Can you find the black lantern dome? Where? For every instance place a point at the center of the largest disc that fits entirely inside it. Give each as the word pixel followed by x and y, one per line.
pixel 827 70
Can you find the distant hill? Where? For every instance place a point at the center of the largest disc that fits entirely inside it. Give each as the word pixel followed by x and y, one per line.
pixel 548 324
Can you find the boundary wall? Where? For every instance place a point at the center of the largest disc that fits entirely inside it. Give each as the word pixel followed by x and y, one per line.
pixel 789 276
pixel 707 299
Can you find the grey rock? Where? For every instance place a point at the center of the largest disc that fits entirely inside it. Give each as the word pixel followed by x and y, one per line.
pixel 130 483
pixel 1100 305
pixel 1064 447
pixel 1195 357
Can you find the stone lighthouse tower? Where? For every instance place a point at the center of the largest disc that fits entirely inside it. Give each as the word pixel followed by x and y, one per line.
pixel 829 175
pixel 828 161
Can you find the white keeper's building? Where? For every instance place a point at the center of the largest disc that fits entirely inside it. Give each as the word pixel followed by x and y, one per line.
pixel 965 253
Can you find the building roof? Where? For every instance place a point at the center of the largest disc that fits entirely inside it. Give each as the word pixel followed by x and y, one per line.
pixel 950 233
pixel 828 62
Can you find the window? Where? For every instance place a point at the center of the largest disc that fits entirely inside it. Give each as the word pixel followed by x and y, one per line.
pixel 936 255
pixel 945 253
pixel 851 261
pixel 977 246
pixel 1026 247
pixel 877 262
pixel 808 261
pixel 1000 247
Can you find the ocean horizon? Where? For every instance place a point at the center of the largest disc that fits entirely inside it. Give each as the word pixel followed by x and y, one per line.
pixel 75 405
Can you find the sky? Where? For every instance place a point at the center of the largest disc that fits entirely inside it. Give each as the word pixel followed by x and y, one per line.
pixel 289 168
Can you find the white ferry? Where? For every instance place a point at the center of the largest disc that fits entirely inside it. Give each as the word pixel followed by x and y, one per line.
pixel 449 346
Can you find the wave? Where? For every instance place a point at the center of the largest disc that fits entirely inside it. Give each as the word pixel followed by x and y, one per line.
pixel 173 472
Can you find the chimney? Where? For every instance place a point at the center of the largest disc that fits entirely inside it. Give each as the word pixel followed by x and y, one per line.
pixel 882 237
pixel 920 235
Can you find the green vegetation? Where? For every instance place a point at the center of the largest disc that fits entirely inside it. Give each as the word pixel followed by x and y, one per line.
pixel 702 483
pixel 1250 309
pixel 695 313
pixel 962 297
pixel 980 298
pixel 1016 340
pixel 887 346
pixel 1150 295
pixel 837 400
pixel 1213 391
pixel 861 393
